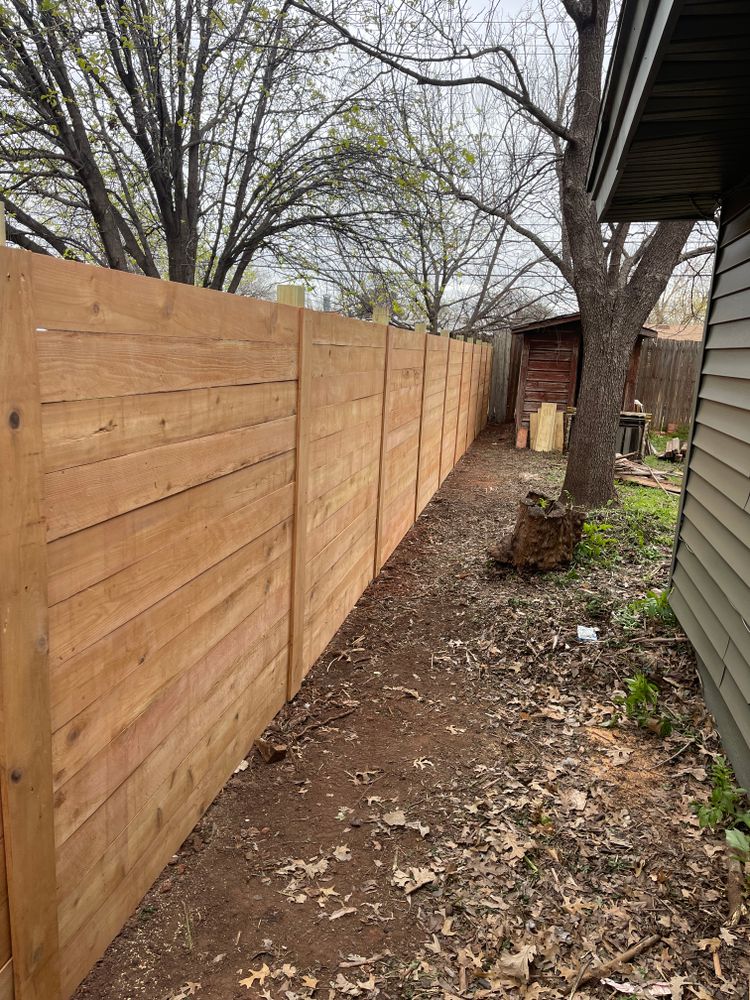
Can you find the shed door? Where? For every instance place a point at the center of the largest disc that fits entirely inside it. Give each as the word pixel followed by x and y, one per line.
pixel 550 372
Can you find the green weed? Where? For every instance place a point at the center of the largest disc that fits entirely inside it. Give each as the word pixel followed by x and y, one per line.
pixel 726 806
pixel 596 543
pixel 641 705
pixel 653 607
pixel 739 845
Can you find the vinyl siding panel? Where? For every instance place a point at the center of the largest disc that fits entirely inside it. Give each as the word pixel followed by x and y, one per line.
pixel 711 573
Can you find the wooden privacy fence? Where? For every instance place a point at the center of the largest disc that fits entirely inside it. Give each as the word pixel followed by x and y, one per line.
pixel 196 489
pixel 666 380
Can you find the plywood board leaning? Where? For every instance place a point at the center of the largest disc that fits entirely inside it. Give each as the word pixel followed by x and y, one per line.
pixel 545 434
pixel 533 429
pixel 559 431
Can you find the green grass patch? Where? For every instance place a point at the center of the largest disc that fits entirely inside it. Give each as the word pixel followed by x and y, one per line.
pixel 658 442
pixel 640 527
pixel 660 463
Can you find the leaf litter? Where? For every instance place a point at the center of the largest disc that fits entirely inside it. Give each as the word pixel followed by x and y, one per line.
pixel 517 843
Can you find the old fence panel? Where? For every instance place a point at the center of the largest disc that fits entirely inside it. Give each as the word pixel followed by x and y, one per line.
pixel 666 380
pixel 218 480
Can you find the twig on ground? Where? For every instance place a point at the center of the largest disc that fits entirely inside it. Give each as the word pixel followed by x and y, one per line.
pixel 579 977
pixel 735 886
pixel 600 971
pixel 679 753
pixel 323 722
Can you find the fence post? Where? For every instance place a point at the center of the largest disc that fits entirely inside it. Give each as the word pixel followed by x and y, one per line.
pixel 480 388
pixel 25 729
pixel 460 395
pixel 294 295
pixel 421 328
pixel 444 333
pixel 380 315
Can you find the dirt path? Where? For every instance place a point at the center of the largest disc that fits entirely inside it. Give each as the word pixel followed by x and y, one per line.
pixel 453 809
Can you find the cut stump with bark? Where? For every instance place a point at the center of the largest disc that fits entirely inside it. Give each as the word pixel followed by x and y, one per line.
pixel 545 536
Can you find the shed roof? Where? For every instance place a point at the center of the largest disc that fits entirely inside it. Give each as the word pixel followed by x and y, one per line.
pixel 571 319
pixel 672 133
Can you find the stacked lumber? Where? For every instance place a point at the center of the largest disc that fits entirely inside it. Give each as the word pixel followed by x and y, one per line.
pixel 675 450
pixel 546 428
pixel 628 470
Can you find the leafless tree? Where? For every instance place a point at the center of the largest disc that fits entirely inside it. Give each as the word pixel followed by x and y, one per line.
pixel 546 69
pixel 180 139
pixel 432 257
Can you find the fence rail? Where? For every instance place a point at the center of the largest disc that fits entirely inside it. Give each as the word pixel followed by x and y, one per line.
pixel 196 490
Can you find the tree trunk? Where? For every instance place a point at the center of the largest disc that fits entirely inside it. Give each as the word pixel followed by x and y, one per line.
pixel 589 478
pixel 545 536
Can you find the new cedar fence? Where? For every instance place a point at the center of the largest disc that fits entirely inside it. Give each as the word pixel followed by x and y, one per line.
pixel 196 488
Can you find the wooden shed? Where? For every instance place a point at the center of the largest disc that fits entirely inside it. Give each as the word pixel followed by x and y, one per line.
pixel 549 367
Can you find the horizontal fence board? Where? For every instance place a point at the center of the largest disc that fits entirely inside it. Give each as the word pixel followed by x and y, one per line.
pixel 75 297
pixel 105 489
pixel 164 634
pixel 249 714
pixel 91 614
pixel 92 430
pixel 76 744
pixel 93 365
pixel 81 560
pixel 327 420
pixel 134 805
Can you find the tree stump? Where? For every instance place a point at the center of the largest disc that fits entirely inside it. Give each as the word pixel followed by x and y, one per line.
pixel 545 536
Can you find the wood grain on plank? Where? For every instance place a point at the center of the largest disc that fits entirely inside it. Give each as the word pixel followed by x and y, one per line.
pixel 328 359
pixel 79 297
pixel 202 696
pixel 327 420
pixel 104 490
pixel 319 535
pixel 83 559
pixel 81 620
pixel 179 623
pixel 102 720
pixel 92 430
pixel 334 562
pixel 133 806
pixel 93 365
pixel 25 751
pixel 342 388
pixel 344 442
pixel 231 737
pixel 330 328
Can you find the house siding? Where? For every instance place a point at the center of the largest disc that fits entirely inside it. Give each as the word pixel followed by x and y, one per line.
pixel 711 572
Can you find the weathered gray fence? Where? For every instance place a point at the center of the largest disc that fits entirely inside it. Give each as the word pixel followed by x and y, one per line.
pixel 506 359
pixel 666 380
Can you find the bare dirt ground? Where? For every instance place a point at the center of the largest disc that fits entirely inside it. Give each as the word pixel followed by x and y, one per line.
pixel 454 818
